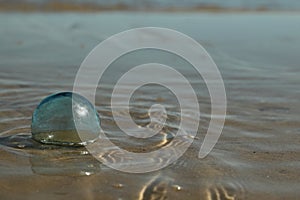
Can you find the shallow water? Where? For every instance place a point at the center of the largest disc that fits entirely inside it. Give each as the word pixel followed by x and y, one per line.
pixel 257 156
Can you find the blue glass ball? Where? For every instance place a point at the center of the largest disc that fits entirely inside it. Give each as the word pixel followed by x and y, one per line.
pixel 60 118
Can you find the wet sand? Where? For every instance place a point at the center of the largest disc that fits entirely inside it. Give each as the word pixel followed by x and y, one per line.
pixel 257 156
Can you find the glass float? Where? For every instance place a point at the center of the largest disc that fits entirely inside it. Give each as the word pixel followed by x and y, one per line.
pixel 57 120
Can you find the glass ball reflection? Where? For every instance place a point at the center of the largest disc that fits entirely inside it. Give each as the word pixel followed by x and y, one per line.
pixel 59 118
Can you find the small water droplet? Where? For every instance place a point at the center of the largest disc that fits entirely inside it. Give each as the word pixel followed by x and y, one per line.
pixel 177 187
pixel 21 146
pixel 86 173
pixel 118 185
pixel 91 166
pixel 84 152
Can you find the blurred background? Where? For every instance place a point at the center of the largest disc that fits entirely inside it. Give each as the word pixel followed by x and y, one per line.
pixel 148 5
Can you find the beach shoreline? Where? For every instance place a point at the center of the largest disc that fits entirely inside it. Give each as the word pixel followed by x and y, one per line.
pixel 256 156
